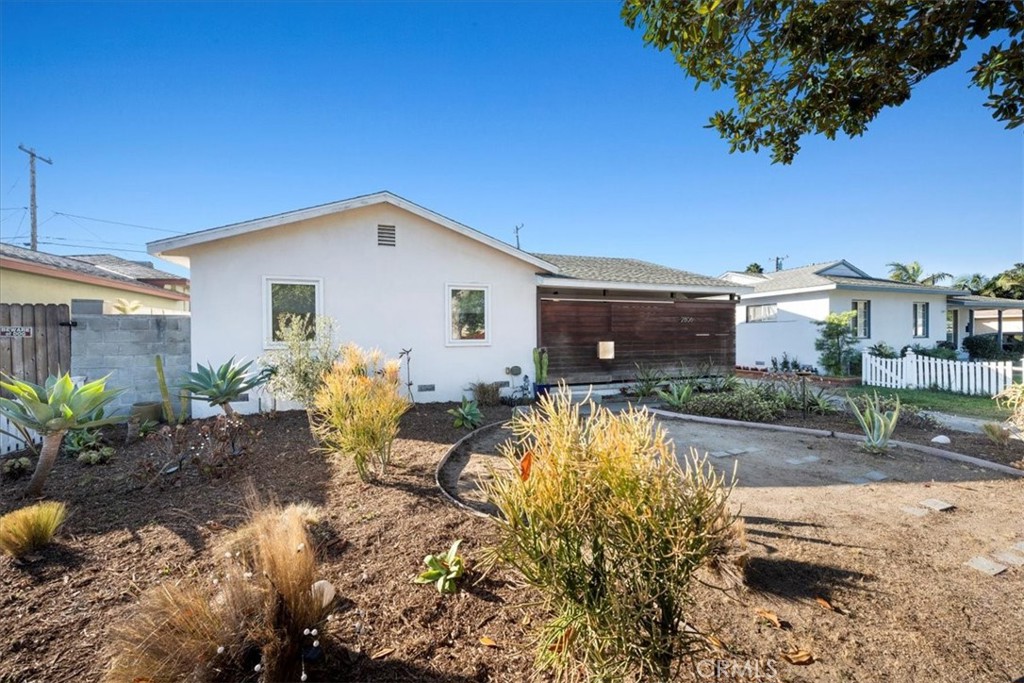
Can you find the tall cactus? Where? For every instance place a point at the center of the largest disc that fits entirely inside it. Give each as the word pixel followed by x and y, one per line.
pixel 540 365
pixel 164 394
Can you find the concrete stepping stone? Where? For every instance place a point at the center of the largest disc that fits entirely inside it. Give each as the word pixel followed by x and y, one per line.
pixel 915 511
pixel 1009 557
pixel 1019 546
pixel 937 505
pixel 876 475
pixel 804 460
pixel 856 481
pixel 737 451
pixel 719 454
pixel 986 566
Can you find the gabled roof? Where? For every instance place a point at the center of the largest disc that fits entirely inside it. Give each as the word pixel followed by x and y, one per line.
pixel 136 270
pixel 611 270
pixel 64 267
pixel 180 244
pixel 835 274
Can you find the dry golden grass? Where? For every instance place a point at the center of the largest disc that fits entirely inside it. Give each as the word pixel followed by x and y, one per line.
pixel 258 612
pixel 30 528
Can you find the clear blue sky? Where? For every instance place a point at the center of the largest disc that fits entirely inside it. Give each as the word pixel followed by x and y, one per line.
pixel 186 116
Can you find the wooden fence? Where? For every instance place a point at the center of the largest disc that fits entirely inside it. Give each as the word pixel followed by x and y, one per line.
pixel 35 342
pixel 979 378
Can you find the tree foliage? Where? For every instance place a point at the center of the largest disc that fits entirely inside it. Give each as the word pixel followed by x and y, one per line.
pixel 806 66
pixel 913 273
pixel 1008 284
pixel 836 342
pixel 754 269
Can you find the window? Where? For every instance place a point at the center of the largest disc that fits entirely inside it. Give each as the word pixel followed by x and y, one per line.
pixel 761 313
pixel 952 323
pixel 920 319
pixel 861 322
pixel 468 314
pixel 289 296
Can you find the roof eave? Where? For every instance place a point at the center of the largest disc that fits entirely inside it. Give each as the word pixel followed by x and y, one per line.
pixel 787 292
pixel 62 274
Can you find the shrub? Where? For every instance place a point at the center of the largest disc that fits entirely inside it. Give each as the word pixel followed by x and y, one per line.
pixel 16 467
pixel 760 404
pixel 79 440
pixel 309 352
pixel 882 350
pixel 30 528
pixel 836 342
pixel 266 618
pixel 467 415
pixel 986 347
pixel 997 434
pixel 486 393
pixel 599 515
pixel 225 384
pixel 357 410
pixel 937 351
pixel 96 456
pixel 1012 398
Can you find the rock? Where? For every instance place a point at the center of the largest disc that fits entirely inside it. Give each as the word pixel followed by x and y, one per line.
pixel 941 439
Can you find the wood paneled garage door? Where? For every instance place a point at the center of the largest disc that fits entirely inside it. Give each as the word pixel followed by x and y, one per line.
pixel 662 334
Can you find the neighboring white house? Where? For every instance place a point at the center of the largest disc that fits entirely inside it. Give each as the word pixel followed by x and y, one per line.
pixel 396 275
pixel 778 317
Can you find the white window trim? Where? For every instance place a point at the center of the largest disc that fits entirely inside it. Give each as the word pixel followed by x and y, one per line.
pixel 269 280
pixel 774 317
pixel 486 341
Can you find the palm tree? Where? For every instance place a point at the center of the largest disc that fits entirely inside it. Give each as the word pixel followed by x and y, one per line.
pixel 1008 284
pixel 913 273
pixel 974 283
pixel 53 409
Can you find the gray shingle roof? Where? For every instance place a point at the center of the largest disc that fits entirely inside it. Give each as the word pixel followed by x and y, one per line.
pixel 137 270
pixel 67 263
pixel 806 277
pixel 628 270
pixel 977 301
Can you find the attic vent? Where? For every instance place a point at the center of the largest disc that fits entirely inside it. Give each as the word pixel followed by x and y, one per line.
pixel 385 235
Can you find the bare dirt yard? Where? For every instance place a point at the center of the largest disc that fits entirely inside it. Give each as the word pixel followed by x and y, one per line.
pixel 862 575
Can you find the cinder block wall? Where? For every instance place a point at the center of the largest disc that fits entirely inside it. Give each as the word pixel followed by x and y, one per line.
pixel 125 346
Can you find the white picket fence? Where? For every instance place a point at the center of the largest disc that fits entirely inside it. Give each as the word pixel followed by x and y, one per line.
pixel 978 378
pixel 9 441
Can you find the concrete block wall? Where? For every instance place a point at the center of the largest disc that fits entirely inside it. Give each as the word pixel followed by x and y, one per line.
pixel 125 346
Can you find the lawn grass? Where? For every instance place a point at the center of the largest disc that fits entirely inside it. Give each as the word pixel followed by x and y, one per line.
pixel 943 401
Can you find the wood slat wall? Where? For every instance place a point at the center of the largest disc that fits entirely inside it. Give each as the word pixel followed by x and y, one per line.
pixel 46 352
pixel 659 335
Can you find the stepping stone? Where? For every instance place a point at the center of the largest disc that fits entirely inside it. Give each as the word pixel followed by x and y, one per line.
pixel 986 566
pixel 1019 546
pixel 795 461
pixel 811 458
pixel 915 511
pixel 737 451
pixel 937 505
pixel 875 475
pixel 1009 557
pixel 857 481
pixel 719 454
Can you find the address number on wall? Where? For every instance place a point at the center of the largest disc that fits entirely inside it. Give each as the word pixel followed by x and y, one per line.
pixel 15 332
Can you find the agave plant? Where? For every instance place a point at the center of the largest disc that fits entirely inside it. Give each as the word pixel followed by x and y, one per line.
pixel 467 415
pixel 225 384
pixel 878 424
pixel 52 410
pixel 677 394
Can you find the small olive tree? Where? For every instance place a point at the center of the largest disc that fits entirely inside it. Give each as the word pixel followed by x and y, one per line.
pixel 836 342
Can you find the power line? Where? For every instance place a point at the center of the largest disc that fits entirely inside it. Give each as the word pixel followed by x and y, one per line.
pixel 100 242
pixel 86 246
pixel 127 225
pixel 13 208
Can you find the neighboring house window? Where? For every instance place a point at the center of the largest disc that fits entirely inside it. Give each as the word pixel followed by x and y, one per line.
pixel 289 296
pixel 468 314
pixel 920 319
pixel 862 321
pixel 761 313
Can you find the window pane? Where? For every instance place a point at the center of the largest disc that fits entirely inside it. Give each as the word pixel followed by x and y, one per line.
pixel 468 311
pixel 292 299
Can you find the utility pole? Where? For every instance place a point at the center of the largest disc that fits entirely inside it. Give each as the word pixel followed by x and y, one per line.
pixel 32 156
pixel 517 229
pixel 778 262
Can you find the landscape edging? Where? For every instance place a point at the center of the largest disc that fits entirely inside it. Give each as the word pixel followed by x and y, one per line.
pixel 450 497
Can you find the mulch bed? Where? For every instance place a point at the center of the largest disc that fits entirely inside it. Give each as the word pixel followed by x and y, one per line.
pixel 123 537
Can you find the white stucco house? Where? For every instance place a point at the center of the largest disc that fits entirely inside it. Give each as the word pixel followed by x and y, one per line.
pixel 778 316
pixel 396 275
